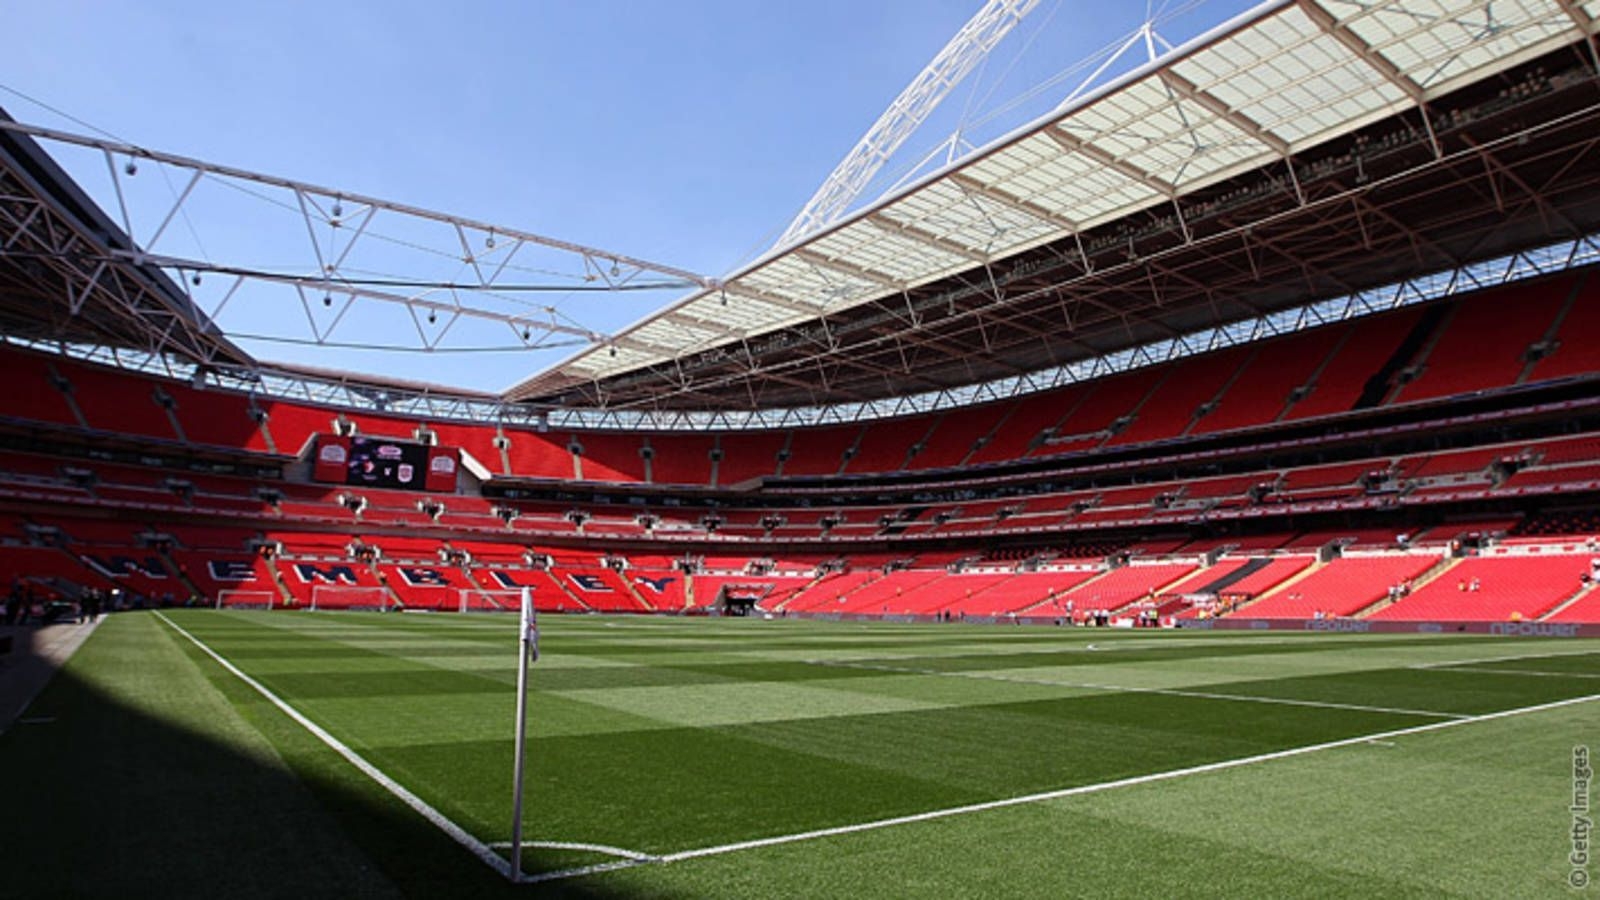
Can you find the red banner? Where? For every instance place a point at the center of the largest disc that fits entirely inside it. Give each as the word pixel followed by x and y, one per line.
pixel 443 463
pixel 333 456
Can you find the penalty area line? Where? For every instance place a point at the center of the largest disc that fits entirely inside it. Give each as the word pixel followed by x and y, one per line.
pixel 417 804
pixel 1381 738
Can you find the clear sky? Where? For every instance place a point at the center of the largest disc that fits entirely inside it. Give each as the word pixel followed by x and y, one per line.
pixel 688 132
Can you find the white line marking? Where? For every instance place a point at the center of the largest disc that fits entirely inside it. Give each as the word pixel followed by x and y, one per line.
pixel 1492 659
pixel 580 871
pixel 1171 692
pixel 975 651
pixel 607 849
pixel 436 818
pixel 1112 785
pixel 489 857
pixel 1522 672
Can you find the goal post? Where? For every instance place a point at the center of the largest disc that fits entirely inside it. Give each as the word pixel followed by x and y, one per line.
pixel 343 597
pixel 481 600
pixel 235 599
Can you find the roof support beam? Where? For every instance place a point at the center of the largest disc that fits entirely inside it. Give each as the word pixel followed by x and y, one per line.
pixel 1374 60
pixel 1187 89
pixel 195 165
pixel 926 237
pixel 1074 144
pixel 846 268
pixel 1587 24
pixel 1353 42
pixel 1006 198
pixel 1546 211
pixel 740 289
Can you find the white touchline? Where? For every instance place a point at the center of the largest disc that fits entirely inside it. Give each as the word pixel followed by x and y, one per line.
pixel 1126 689
pixel 607 849
pixel 1382 738
pixel 631 859
pixel 436 818
pixel 1112 785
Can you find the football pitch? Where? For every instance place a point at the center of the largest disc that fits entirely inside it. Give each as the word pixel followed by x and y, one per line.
pixel 672 757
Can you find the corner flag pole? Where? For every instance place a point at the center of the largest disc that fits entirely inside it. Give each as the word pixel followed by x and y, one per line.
pixel 528 648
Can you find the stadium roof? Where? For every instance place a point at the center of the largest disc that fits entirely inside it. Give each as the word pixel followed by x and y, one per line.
pixel 58 280
pixel 1306 150
pixel 1278 158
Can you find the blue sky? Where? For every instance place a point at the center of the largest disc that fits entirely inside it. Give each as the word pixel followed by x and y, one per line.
pixel 683 132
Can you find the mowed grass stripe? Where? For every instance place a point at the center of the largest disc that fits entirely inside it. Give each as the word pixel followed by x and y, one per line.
pixel 1401 819
pixel 400 791
pixel 1233 697
pixel 726 746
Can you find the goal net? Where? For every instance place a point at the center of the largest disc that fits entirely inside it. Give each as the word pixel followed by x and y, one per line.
pixel 335 597
pixel 231 599
pixel 477 600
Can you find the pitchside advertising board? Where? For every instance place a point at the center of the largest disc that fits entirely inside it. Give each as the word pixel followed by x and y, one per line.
pixel 385 463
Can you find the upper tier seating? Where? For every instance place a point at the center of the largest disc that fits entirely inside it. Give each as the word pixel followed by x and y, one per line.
pixel 680 459
pixel 1110 402
pixel 1321 372
pixel 111 401
pixel 955 435
pixel 1576 350
pixel 885 446
pixel 1485 342
pixel 1260 394
pixel 216 418
pixel 1191 385
pixel 1364 347
pixel 820 451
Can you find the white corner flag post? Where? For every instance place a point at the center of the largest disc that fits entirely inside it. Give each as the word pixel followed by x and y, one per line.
pixel 528 652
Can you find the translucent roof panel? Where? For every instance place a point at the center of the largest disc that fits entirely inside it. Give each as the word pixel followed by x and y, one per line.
pixel 1434 41
pixel 1287 77
pixel 1292 79
pixel 881 249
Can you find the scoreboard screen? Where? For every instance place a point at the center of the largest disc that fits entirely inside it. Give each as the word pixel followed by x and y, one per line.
pixel 376 462
pixel 385 463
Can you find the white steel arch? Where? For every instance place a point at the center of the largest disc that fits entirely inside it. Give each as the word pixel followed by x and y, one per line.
pixel 908 111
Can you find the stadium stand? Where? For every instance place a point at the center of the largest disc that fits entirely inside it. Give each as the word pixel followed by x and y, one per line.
pixel 1266 480
pixel 1342 587
pixel 1493 589
pixel 1483 346
pixel 956 435
pixel 1357 371
pixel 1572 349
pixel 1262 391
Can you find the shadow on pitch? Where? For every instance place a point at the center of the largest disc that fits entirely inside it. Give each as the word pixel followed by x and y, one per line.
pixel 108 800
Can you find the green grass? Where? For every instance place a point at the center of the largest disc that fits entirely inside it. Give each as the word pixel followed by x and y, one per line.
pixel 665 736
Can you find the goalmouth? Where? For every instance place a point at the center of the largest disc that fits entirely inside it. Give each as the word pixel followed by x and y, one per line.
pixel 339 597
pixel 231 599
pixel 480 600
